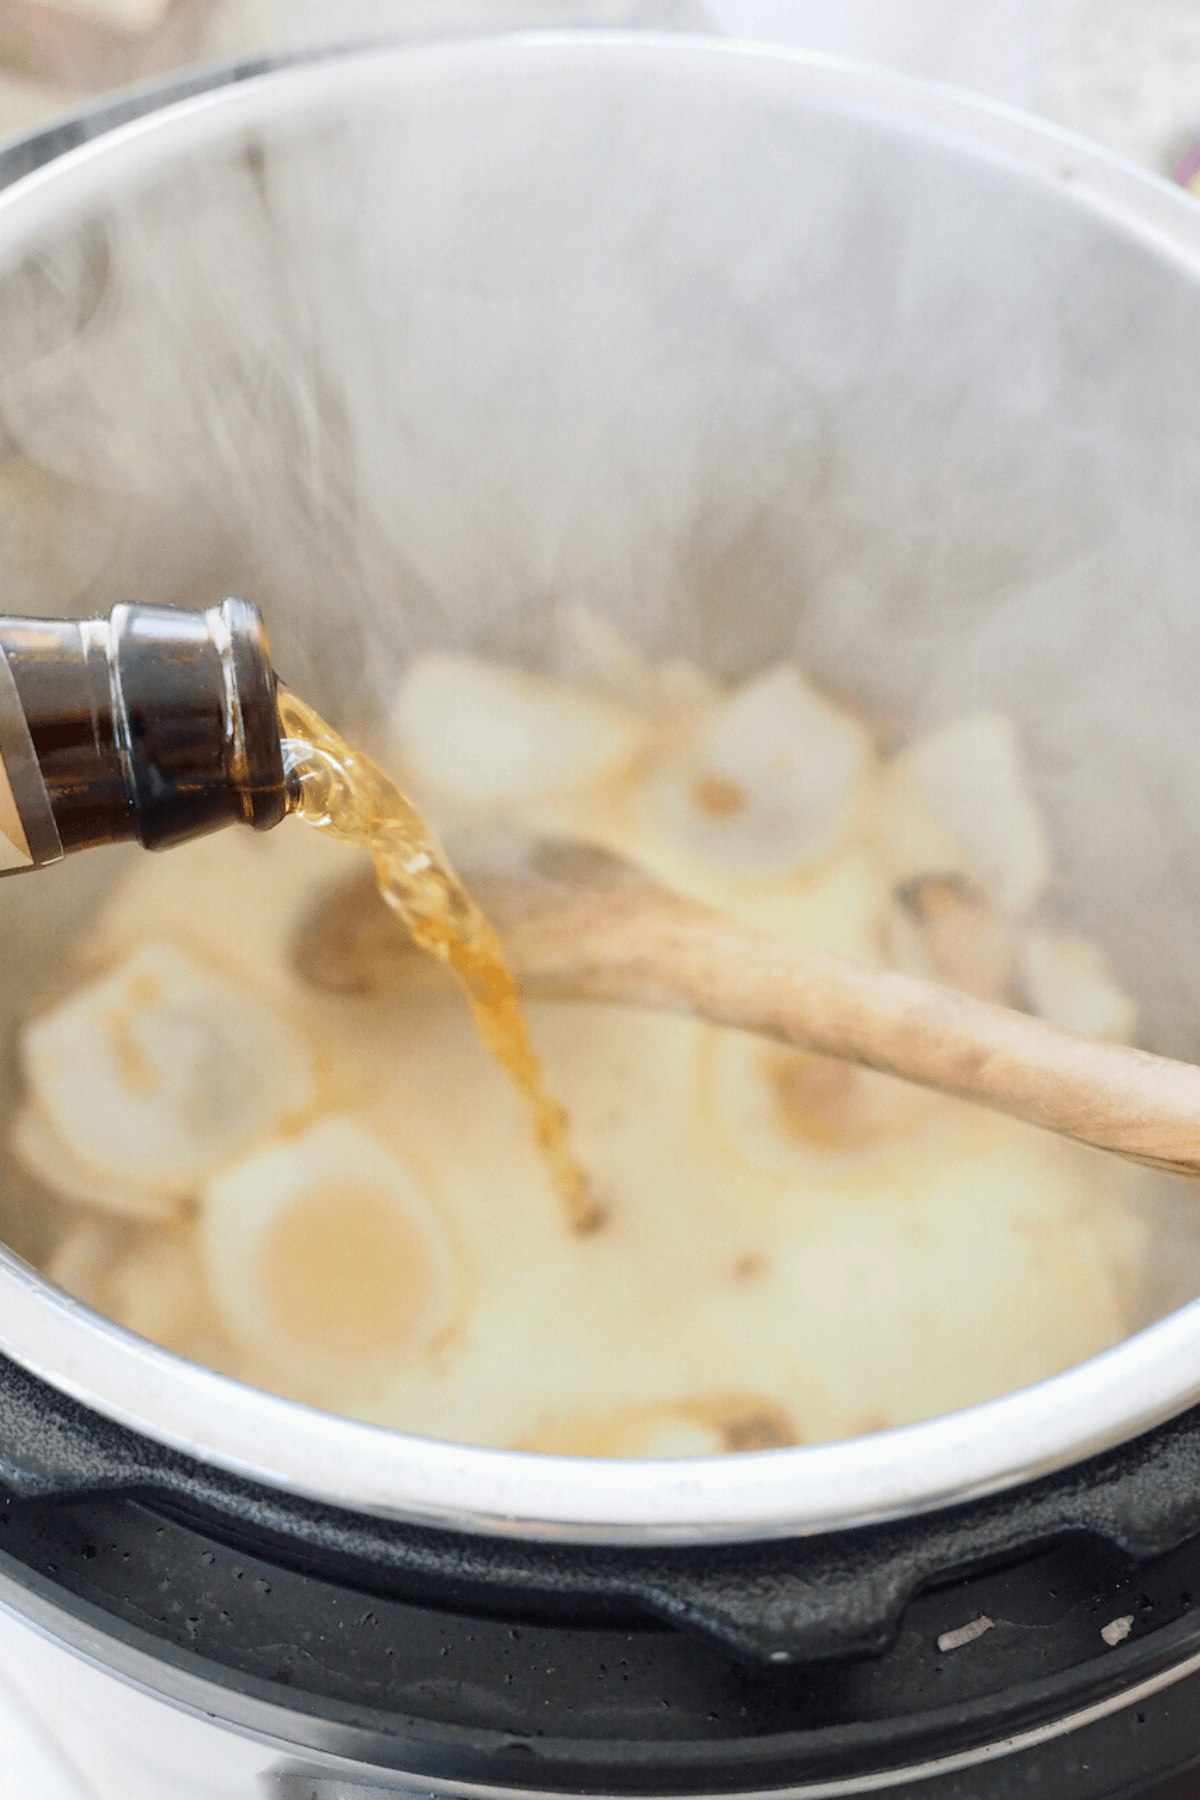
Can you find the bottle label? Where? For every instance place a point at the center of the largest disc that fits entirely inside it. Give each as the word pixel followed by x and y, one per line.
pixel 28 834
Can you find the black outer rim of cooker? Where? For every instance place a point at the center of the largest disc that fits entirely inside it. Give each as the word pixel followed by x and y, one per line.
pixel 570 1710
pixel 575 1668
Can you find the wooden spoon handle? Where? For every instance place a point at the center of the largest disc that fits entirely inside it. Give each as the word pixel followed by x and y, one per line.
pixel 641 947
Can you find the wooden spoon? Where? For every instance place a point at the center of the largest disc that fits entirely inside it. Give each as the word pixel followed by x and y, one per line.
pixel 579 924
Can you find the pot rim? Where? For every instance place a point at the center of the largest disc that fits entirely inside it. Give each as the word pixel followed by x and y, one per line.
pixel 920 1468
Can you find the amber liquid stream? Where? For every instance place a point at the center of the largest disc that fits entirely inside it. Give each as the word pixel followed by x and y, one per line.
pixel 344 793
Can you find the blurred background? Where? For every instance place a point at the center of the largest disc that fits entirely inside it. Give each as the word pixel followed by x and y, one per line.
pixel 1126 72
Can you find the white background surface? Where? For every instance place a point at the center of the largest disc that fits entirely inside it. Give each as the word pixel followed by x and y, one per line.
pixel 30 1766
pixel 1126 72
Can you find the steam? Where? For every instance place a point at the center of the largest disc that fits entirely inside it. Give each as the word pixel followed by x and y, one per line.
pixel 428 368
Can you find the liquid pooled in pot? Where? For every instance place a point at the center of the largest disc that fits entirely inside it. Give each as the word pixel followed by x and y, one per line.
pixel 279 1148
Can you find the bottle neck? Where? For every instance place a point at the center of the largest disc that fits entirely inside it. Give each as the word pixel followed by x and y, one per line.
pixel 156 724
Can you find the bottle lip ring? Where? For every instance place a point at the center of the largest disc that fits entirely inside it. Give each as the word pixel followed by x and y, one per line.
pixel 254 748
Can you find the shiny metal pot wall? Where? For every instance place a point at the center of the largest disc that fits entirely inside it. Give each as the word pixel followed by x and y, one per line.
pixel 755 352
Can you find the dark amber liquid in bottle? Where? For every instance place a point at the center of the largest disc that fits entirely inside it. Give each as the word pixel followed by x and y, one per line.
pixel 156 724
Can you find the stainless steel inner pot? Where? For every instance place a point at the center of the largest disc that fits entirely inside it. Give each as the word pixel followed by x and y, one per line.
pixel 754 351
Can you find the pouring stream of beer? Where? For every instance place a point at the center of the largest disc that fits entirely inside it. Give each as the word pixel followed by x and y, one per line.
pixel 343 792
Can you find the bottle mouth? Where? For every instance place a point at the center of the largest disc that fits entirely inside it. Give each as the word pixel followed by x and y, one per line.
pixel 254 761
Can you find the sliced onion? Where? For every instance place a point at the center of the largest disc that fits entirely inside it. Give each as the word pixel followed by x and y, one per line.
pixel 325 1253
pixel 770 783
pixel 956 800
pixel 489 735
pixel 162 1070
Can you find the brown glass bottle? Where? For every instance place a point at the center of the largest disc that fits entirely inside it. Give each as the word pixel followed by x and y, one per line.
pixel 156 724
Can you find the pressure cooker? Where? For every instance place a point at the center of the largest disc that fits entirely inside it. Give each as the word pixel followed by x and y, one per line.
pixel 756 352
